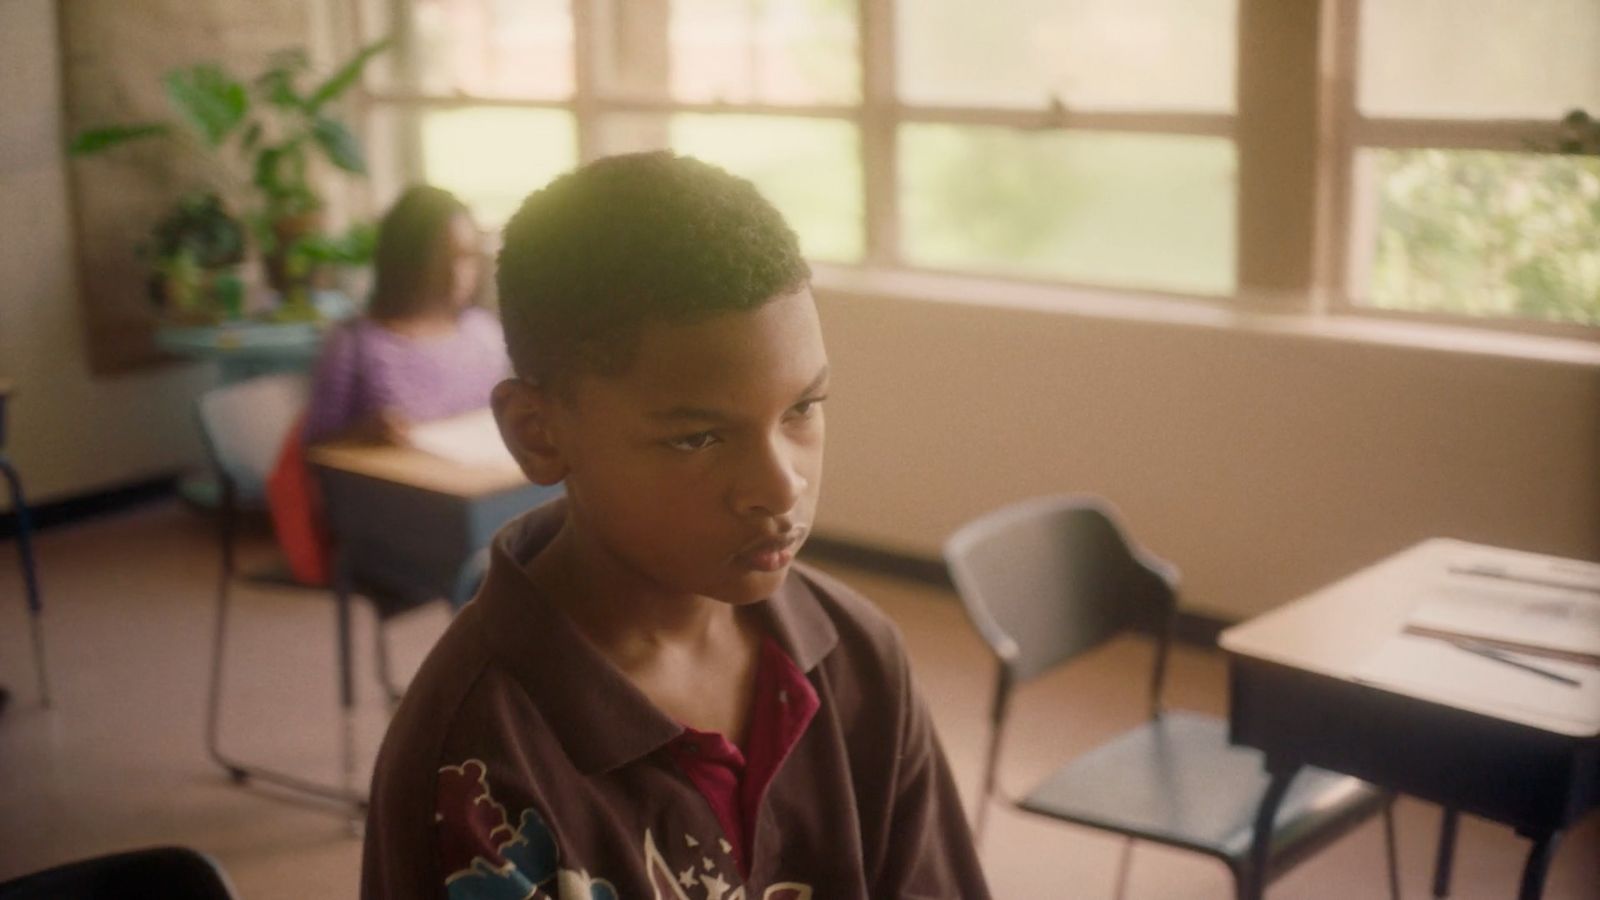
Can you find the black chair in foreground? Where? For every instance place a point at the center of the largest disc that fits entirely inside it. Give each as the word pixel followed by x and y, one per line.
pixel 1045 580
pixel 160 873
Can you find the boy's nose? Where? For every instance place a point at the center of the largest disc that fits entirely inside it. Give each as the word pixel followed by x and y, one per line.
pixel 773 481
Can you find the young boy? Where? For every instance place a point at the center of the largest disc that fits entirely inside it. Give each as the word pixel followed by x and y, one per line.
pixel 649 697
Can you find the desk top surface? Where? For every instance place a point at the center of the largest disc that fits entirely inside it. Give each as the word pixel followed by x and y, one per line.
pixel 415 468
pixel 1337 630
pixel 5 387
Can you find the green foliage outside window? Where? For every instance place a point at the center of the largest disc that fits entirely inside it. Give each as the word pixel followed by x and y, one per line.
pixel 1489 234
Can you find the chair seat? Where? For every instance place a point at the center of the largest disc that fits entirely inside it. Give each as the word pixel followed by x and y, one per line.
pixel 1176 780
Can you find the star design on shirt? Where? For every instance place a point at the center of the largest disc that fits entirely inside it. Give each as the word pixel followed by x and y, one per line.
pixel 714 885
pixel 726 847
pixel 689 839
pixel 686 877
pixel 706 861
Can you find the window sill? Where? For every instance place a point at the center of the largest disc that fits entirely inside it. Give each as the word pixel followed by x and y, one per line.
pixel 1203 312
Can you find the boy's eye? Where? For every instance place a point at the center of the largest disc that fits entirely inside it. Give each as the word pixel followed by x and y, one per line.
pixel 805 408
pixel 691 442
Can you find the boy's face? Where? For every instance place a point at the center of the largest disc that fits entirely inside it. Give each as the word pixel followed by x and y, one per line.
pixel 697 470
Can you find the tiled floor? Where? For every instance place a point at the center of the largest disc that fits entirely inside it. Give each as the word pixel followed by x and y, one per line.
pixel 119 761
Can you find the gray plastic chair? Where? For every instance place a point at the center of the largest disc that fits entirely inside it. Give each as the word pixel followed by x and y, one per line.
pixel 1045 580
pixel 243 426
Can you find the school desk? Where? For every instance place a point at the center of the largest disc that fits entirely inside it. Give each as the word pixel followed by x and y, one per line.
pixel 412 524
pixel 1312 684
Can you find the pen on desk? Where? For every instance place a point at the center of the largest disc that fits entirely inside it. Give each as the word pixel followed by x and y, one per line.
pixel 1500 657
pixel 1501 574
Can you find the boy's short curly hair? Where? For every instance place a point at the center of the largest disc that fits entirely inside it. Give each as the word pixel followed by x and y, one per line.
pixel 628 241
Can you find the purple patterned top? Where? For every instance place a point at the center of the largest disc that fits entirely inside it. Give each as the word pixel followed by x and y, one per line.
pixel 365 367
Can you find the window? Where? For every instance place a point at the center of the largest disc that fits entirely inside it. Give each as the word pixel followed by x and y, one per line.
pixel 1136 144
pixel 1452 206
pixel 1104 158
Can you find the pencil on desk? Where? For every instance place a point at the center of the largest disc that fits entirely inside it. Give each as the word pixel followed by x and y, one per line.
pixel 1499 657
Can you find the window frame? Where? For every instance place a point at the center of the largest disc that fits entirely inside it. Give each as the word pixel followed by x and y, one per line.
pixel 1297 210
pixel 1349 213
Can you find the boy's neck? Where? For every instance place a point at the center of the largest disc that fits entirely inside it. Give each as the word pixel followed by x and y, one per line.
pixel 629 622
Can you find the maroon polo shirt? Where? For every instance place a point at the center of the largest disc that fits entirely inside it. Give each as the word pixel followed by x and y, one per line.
pixel 734 781
pixel 522 763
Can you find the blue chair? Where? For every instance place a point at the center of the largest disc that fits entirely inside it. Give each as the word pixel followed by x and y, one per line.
pixel 1046 580
pixel 30 577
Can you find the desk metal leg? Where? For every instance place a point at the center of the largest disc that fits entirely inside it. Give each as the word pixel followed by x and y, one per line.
pixel 347 693
pixel 1253 878
pixel 1446 854
pixel 347 698
pixel 1538 865
pixel 1391 850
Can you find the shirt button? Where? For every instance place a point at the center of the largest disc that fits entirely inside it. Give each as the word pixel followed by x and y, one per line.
pixel 783 695
pixel 691 748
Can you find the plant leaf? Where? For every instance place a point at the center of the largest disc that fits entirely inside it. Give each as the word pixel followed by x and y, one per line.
pixel 348 74
pixel 97 140
pixel 341 146
pixel 277 86
pixel 266 173
pixel 211 100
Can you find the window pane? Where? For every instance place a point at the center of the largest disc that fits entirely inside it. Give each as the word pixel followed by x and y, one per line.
pixel 1150 211
pixel 1479 58
pixel 492 157
pixel 494 48
pixel 1092 54
pixel 765 51
pixel 809 168
pixel 1480 233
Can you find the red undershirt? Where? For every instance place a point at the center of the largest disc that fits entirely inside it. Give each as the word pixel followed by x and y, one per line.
pixel 734 781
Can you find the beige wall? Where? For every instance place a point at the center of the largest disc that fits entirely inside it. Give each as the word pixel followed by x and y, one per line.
pixel 69 433
pixel 1263 464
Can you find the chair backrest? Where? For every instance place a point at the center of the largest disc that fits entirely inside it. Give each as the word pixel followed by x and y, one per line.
pixel 244 425
pixel 171 873
pixel 1046 579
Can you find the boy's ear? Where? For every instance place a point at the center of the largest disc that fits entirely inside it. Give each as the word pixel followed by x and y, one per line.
pixel 522 410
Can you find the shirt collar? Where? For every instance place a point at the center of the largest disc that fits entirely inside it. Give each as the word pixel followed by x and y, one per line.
pixel 602 720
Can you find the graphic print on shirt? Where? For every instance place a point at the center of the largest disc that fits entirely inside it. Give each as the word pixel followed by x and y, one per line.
pixel 486 859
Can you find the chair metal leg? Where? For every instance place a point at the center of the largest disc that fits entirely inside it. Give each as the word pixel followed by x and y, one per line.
pixel 30 578
pixel 1391 850
pixel 238 771
pixel 997 721
pixel 1124 862
pixel 1252 877
pixel 1445 856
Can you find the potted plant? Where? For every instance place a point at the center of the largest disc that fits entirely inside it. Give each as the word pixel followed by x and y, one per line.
pixel 272 134
pixel 194 252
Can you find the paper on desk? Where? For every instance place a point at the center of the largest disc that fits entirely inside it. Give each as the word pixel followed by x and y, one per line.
pixel 1432 669
pixel 470 439
pixel 1513 613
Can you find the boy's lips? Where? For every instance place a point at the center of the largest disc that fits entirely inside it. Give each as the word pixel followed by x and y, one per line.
pixel 770 554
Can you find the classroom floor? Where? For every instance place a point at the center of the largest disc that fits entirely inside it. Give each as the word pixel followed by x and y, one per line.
pixel 118 762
